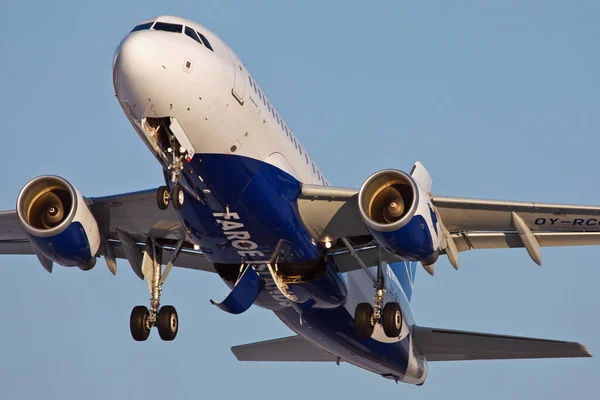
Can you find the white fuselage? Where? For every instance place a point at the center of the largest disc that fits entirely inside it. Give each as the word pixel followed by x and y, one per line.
pixel 215 100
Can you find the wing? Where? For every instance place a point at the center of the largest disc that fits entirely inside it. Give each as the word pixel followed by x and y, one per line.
pixel 332 213
pixel 448 345
pixel 125 221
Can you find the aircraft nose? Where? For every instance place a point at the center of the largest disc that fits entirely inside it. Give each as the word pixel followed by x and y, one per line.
pixel 142 73
pixel 134 61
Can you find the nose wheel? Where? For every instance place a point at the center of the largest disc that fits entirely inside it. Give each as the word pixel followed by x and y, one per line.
pixel 178 196
pixel 164 197
pixel 164 318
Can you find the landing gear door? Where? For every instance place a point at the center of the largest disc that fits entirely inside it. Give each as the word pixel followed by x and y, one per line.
pixel 181 137
pixel 239 81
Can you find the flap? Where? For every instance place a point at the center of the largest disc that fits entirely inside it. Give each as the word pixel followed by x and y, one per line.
pixel 186 259
pixel 460 214
pixel 503 240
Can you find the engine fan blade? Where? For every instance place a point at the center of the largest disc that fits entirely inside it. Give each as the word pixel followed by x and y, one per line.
pixel 389 204
pixel 50 208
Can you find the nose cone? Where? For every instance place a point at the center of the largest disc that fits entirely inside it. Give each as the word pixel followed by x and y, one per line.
pixel 137 53
pixel 141 72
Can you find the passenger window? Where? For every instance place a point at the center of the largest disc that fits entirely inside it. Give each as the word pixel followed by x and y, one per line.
pixel 277 116
pixel 306 157
pixel 251 85
pixel 269 106
pixel 286 131
pixel 260 94
pixel 295 143
pixel 273 112
pixel 205 40
pixel 319 175
pixel 313 165
pixel 300 149
pixel 190 33
pixel 142 27
pixel 165 26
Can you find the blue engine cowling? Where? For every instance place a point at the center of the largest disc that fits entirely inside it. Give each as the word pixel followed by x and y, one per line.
pixel 400 216
pixel 58 222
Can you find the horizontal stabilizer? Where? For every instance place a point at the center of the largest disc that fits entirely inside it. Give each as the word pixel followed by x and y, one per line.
pixel 293 349
pixel 447 345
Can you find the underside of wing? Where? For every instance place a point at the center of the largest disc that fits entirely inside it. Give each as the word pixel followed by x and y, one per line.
pixel 136 214
pixel 291 349
pixel 449 345
pixel 478 215
pixel 185 259
pixel 131 216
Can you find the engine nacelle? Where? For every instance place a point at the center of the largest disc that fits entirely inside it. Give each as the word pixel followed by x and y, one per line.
pixel 400 216
pixel 58 222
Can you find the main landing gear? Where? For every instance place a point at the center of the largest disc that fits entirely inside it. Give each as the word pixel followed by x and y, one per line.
pixel 367 316
pixel 164 318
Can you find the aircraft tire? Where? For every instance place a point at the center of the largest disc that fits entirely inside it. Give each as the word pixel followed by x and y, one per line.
pixel 392 320
pixel 138 323
pixel 163 197
pixel 178 197
pixel 362 320
pixel 168 323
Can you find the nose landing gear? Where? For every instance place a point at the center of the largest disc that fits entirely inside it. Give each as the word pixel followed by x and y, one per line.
pixel 177 196
pixel 173 155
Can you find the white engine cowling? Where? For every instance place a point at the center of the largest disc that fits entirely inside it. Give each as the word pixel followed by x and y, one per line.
pixel 400 216
pixel 58 222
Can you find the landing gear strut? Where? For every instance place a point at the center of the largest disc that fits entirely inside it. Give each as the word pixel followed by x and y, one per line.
pixel 164 318
pixel 177 154
pixel 367 316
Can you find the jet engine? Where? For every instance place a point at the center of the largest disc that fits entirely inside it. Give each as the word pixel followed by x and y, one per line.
pixel 400 216
pixel 58 222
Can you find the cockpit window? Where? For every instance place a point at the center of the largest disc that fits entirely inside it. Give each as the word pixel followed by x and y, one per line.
pixel 190 32
pixel 142 27
pixel 165 26
pixel 205 40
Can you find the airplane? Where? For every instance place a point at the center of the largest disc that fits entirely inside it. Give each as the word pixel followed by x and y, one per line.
pixel 243 199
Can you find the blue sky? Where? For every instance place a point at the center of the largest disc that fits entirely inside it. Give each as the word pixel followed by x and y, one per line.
pixel 498 100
